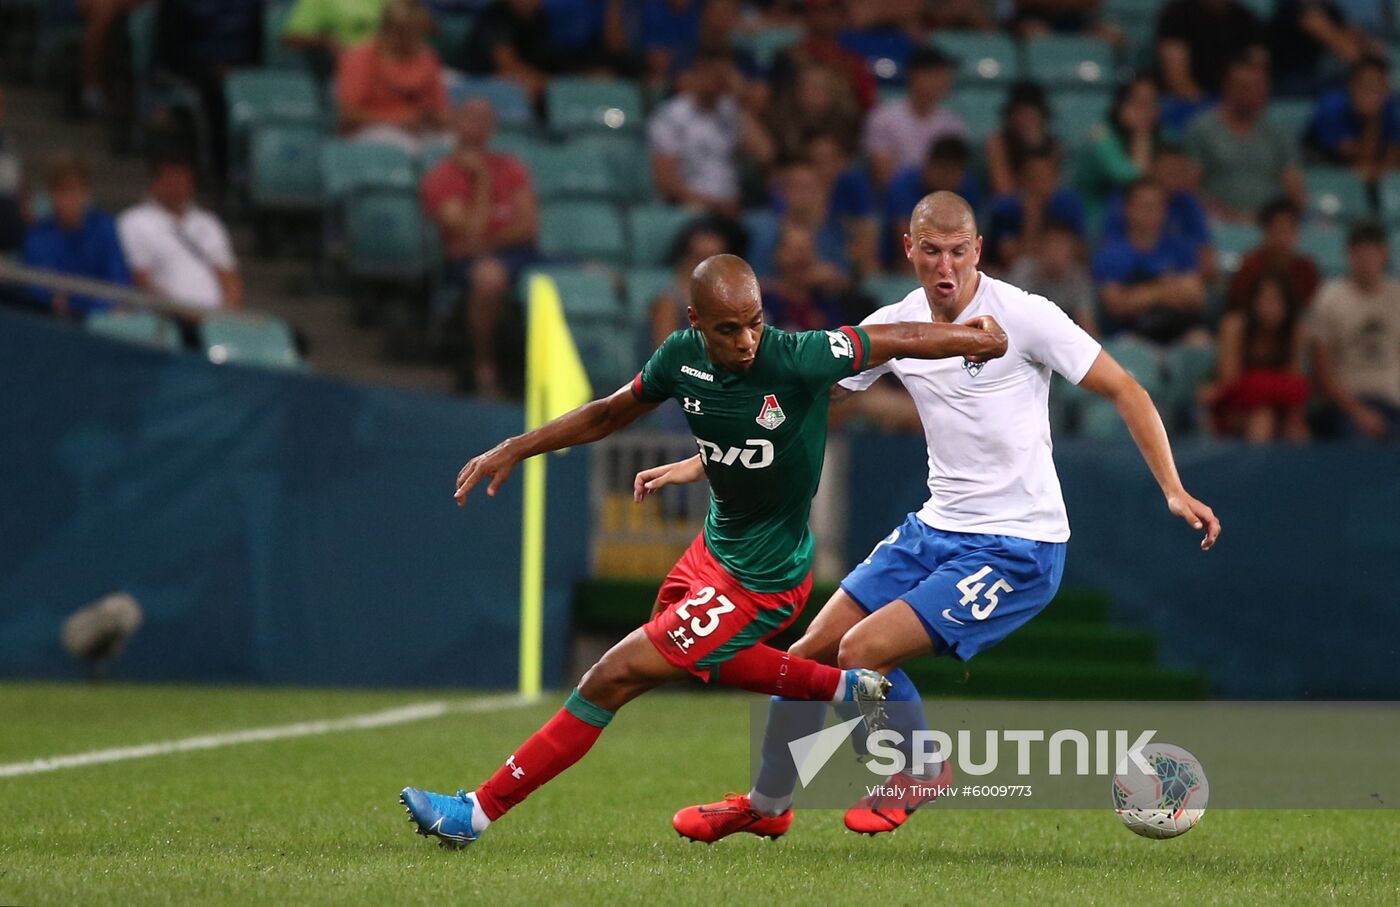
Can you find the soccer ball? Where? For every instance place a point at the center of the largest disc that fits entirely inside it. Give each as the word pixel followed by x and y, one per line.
pixel 1163 803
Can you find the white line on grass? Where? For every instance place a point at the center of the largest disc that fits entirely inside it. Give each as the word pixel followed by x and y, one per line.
pixel 419 711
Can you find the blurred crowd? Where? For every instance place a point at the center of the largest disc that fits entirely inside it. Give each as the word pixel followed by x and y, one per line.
pixel 801 133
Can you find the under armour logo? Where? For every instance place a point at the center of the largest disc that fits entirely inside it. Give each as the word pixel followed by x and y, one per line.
pixel 691 405
pixel 972 368
pixel 679 637
pixel 515 770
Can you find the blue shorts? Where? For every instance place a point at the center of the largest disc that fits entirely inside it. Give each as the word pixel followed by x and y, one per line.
pixel 970 591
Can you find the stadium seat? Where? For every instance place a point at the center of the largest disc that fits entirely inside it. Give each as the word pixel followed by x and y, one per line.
pixel 139 326
pixel 285 167
pixel 431 154
pixel 258 96
pixel 586 292
pixel 886 52
pixel 1070 60
pixel 261 341
pixel 607 348
pixel 508 99
pixel 1075 113
pixel 1188 367
pixel 1327 245
pixel 275 54
pixel 887 289
pixel 982 56
pixel 578 170
pixel 385 235
pixel 1232 241
pixel 627 160
pixel 652 230
pixel 765 44
pixel 1390 199
pixel 574 104
pixel 1140 359
pixel 347 166
pixel 980 108
pixel 644 285
pixel 453 28
pixel 1292 115
pixel 582 230
pixel 1336 194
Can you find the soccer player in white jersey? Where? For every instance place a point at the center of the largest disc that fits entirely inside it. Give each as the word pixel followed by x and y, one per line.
pixel 986 552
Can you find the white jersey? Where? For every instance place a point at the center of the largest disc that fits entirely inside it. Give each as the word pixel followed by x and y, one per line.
pixel 988 426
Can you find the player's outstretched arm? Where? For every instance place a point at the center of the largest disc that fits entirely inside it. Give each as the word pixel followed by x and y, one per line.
pixel 978 340
pixel 682 472
pixel 586 424
pixel 1109 380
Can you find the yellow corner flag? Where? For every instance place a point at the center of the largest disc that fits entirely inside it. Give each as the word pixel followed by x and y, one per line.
pixel 555 382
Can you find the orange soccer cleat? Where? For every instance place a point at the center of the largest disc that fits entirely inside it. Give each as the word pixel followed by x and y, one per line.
pixel 878 813
pixel 712 821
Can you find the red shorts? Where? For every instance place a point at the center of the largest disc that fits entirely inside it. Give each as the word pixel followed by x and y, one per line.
pixel 706 617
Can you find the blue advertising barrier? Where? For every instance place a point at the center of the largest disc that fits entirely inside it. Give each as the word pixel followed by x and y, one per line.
pixel 1297 600
pixel 275 527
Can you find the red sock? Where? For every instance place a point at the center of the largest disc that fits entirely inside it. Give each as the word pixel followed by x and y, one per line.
pixel 559 744
pixel 764 669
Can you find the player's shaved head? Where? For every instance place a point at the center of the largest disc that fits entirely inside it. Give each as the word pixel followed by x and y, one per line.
pixel 943 212
pixel 727 309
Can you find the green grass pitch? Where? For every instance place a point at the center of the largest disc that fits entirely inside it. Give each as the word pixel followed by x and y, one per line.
pixel 316 820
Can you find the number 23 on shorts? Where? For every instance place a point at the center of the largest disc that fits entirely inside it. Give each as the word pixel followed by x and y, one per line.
pixel 971 587
pixel 711 616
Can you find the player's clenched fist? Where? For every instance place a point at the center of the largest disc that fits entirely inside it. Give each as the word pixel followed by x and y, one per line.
pixel 989 324
pixel 496 463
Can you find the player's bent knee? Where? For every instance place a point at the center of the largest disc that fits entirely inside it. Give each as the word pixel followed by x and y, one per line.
pixel 857 651
pixel 814 648
pixel 489 278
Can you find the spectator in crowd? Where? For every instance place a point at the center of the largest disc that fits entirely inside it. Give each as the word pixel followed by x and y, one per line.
pixel 1196 42
pixel 1243 157
pixel 1033 18
pixel 900 131
pixel 201 42
pixel 806 293
pixel 948 167
pixel 822 22
pixel 1359 126
pixel 1150 284
pixel 1307 38
pixel 1355 323
pixel 1122 149
pixel 958 15
pixel 390 87
pixel 851 200
pixel 76 239
pixel 1015 221
pixel 99 19
pixel 1025 130
pixel 323 29
pixel 486 213
pixel 1186 215
pixel 670 37
pixel 1053 268
pixel 814 102
pixel 696 243
pixel 511 39
pixel 699 137
pixel 801 200
pixel 1278 252
pixel 174 247
pixel 11 187
pixel 1260 390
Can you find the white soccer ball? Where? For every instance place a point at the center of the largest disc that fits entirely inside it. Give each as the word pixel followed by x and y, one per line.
pixel 1168 800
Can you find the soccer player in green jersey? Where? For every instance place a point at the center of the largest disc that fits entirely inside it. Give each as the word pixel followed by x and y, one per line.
pixel 756 399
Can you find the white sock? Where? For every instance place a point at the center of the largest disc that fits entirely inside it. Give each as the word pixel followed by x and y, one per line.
pixel 843 688
pixel 479 819
pixel 769 806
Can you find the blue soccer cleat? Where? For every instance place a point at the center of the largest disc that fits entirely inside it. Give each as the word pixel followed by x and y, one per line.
pixel 449 819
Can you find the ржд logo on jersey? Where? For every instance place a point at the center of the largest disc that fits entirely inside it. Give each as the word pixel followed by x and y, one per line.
pixel 771 416
pixel 840 345
pixel 755 454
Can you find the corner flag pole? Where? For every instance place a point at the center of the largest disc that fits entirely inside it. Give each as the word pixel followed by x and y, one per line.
pixel 555 382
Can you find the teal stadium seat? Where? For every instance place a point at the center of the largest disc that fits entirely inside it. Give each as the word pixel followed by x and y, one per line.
pixel 983 57
pixel 582 231
pixel 261 341
pixel 146 328
pixel 1070 61
pixel 1292 115
pixel 577 170
pixel 607 348
pixel 767 43
pixel 510 102
pixel 1188 367
pixel 385 235
pixel 431 154
pixel 1390 199
pixel 1326 243
pixel 627 160
pixel 1232 242
pixel 449 38
pixel 348 166
pixel 275 54
pixel 1076 112
pixel 980 108
pixel 887 289
pixel 1336 194
pixel 652 230
pixel 285 167
pixel 585 292
pixel 1140 359
pixel 575 104
pixel 644 285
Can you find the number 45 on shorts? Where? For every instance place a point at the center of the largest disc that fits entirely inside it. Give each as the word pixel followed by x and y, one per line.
pixel 972 588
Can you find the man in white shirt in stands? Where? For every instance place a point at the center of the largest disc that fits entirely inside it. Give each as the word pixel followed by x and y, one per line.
pixel 175 248
pixel 986 552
